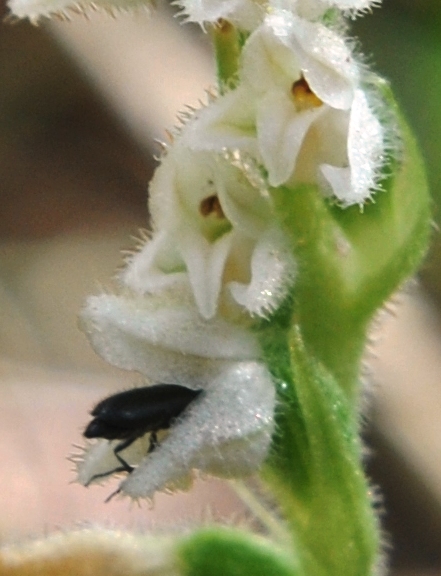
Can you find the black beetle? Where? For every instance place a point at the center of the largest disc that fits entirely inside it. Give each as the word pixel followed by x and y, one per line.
pixel 130 414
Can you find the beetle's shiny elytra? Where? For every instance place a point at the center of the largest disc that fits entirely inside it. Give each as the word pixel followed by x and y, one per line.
pixel 129 415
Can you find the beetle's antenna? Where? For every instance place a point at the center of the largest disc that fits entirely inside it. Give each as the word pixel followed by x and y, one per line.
pixel 112 495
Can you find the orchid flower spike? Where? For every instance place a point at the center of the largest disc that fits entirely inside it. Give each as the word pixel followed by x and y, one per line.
pixel 300 109
pixel 226 431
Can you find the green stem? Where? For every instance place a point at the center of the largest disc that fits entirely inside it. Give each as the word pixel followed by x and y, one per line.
pixel 227 43
pixel 315 470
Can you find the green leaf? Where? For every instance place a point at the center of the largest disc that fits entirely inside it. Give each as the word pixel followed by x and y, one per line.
pixel 222 551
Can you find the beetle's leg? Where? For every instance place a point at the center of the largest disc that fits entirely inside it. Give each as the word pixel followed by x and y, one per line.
pixel 153 441
pixel 125 467
pixel 122 446
pixel 104 474
pixel 153 444
pixel 112 495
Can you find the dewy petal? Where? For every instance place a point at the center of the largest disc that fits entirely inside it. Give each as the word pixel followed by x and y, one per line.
pixel 272 273
pixel 281 131
pixel 36 9
pixel 226 431
pixel 324 57
pixel 365 148
pixel 355 183
pixel 162 336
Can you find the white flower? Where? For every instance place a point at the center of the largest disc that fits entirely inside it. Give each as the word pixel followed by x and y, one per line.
pixel 226 431
pixel 352 6
pixel 215 230
pixel 249 14
pixel 246 14
pixel 299 109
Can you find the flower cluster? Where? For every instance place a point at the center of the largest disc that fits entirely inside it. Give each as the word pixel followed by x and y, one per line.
pixel 300 109
pixel 218 262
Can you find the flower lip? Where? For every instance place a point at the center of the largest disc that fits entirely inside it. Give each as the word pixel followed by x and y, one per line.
pixel 139 332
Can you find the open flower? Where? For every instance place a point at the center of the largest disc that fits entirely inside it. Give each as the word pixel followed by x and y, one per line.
pixel 226 431
pixel 246 14
pixel 300 110
pixel 213 229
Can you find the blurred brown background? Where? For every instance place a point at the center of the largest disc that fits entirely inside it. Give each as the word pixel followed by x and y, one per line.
pixel 80 106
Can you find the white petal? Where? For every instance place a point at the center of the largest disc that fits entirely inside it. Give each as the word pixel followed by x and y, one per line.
pixel 268 63
pixel 281 132
pixel 247 14
pixel 201 11
pixel 272 274
pixel 99 458
pixel 244 205
pixel 355 183
pixel 325 143
pixel 354 5
pixel 310 9
pixel 228 122
pixel 205 263
pixel 365 148
pixel 324 58
pixel 156 266
pixel 226 431
pixel 163 336
pixel 340 181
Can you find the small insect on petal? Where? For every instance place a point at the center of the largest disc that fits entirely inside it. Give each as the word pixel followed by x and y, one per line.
pixel 129 415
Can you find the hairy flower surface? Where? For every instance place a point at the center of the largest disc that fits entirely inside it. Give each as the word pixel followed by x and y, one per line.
pixel 246 14
pixel 300 110
pixel 226 431
pixel 249 14
pixel 213 229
